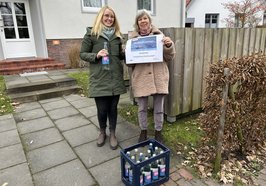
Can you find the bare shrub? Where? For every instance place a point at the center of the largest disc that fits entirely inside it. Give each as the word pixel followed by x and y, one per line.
pixel 245 126
pixel 73 54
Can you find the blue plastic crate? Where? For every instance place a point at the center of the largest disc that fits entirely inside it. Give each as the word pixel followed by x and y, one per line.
pixel 136 167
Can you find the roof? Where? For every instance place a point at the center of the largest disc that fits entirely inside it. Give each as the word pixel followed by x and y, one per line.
pixel 187 2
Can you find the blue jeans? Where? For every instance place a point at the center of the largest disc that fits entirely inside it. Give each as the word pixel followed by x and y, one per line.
pixel 158 115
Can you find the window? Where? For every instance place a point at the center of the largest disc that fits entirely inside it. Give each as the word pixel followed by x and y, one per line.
pixel 92 5
pixel 147 4
pixel 211 20
pixel 239 20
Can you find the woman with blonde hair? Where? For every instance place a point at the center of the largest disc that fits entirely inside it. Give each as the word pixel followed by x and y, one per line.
pixel 102 49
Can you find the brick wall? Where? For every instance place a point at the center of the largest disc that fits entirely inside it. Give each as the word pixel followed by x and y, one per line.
pixel 58 49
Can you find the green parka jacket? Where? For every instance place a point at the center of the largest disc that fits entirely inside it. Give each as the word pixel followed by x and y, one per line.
pixel 103 82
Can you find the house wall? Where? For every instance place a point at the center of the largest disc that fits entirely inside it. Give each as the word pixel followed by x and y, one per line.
pixel 198 8
pixel 66 20
pixel 66 23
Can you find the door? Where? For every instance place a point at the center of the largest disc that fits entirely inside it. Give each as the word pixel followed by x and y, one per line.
pixel 16 29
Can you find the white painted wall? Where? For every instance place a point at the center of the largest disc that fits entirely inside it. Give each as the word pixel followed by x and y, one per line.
pixel 198 8
pixel 65 20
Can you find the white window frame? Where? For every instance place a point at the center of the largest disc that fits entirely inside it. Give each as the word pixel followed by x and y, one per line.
pixel 152 11
pixel 91 9
pixel 211 25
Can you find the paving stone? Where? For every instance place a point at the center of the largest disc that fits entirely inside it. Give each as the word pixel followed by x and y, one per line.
pixel 71 122
pixel 27 106
pixel 170 182
pixel 50 100
pixel 34 125
pixel 22 176
pixel 128 143
pixel 11 155
pixel 211 183
pixel 39 78
pixel 13 81
pixel 89 111
pixel 185 174
pixel 50 156
pixel 129 131
pixel 6 117
pixel 94 120
pixel 56 77
pixel 55 105
pixel 173 169
pixel 29 115
pixel 108 173
pixel 72 173
pixel 9 138
pixel 197 182
pixel 81 135
pixel 81 103
pixel 175 176
pixel 62 112
pixel 183 182
pixel 41 138
pixel 92 155
pixel 73 97
pixel 7 123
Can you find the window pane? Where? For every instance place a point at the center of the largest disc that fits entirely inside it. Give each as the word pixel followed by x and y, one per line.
pixel 23 33
pixel 20 8
pixel 92 3
pixel 140 4
pixel 144 4
pixel 21 21
pixel 8 20
pixel 5 8
pixel 10 33
pixel 147 4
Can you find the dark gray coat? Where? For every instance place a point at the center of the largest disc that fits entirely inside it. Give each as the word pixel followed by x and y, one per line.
pixel 103 82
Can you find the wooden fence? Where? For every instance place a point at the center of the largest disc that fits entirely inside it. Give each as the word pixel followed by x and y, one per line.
pixel 196 49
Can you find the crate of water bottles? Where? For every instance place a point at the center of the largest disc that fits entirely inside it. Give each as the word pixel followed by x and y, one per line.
pixel 146 163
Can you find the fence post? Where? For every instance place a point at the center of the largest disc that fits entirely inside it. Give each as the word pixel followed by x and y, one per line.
pixel 220 136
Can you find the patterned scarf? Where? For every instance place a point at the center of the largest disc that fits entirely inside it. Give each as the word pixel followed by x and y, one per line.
pixel 108 32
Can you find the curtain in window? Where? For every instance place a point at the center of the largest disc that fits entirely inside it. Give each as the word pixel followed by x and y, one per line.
pixel 144 4
pixel 92 3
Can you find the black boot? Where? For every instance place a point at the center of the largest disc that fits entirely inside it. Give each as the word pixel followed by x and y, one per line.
pixel 142 136
pixel 101 138
pixel 158 136
pixel 113 140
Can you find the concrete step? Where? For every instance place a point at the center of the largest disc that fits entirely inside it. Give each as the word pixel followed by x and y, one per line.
pixel 34 86
pixel 36 95
pixel 27 89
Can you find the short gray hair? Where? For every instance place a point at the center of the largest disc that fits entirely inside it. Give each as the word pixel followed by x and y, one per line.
pixel 141 13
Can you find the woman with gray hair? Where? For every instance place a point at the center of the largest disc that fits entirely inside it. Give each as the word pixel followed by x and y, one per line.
pixel 151 79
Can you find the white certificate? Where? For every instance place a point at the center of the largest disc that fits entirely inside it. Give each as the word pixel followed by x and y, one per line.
pixel 147 49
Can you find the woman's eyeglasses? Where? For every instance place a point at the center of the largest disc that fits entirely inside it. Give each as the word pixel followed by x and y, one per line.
pixel 109 16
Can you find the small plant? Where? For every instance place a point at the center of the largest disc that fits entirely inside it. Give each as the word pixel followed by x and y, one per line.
pixel 5 102
pixel 82 80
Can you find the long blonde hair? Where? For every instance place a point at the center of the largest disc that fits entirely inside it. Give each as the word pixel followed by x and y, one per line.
pixel 98 25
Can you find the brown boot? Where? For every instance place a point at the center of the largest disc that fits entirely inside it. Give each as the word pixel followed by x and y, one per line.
pixel 101 138
pixel 113 140
pixel 158 136
pixel 142 136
